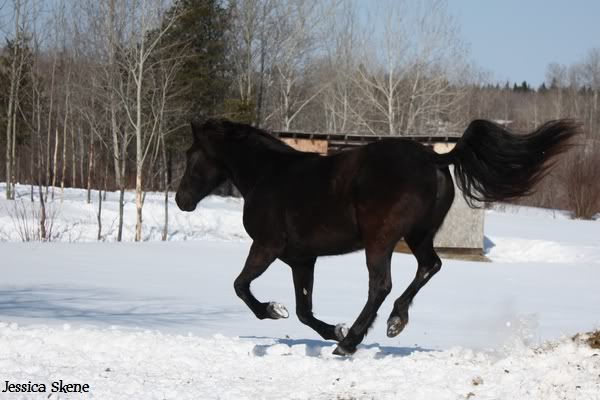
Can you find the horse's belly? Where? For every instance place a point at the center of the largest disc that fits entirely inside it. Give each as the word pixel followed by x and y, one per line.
pixel 320 235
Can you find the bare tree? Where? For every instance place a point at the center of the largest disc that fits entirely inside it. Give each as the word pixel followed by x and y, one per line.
pixel 162 74
pixel 409 76
pixel 108 25
pixel 299 35
pixel 49 126
pixel 341 62
pixel 12 101
pixel 591 71
pixel 556 76
pixel 252 41
pixel 141 47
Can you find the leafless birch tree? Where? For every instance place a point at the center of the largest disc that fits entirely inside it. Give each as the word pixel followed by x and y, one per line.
pixel 141 47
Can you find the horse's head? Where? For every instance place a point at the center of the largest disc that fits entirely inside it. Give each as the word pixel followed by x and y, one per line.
pixel 203 172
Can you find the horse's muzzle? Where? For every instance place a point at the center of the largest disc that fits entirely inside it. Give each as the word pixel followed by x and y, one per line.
pixel 184 202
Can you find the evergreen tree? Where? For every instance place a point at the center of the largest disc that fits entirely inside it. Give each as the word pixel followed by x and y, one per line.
pixel 203 80
pixel 22 130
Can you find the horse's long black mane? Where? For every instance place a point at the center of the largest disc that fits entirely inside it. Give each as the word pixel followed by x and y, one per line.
pixel 256 137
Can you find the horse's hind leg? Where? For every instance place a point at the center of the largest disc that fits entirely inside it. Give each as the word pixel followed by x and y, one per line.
pixel 303 272
pixel 380 285
pixel 257 262
pixel 421 244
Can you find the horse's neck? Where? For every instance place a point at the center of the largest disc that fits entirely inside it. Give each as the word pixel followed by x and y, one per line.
pixel 246 166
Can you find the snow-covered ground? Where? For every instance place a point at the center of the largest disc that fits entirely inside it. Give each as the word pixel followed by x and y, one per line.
pixel 74 220
pixel 150 365
pixel 160 320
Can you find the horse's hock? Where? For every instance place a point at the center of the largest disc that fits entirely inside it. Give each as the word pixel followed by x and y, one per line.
pixel 461 235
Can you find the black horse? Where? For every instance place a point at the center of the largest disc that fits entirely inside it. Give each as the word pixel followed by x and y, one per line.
pixel 299 206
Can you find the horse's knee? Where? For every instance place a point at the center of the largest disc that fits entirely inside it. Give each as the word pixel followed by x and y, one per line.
pixel 386 288
pixel 239 286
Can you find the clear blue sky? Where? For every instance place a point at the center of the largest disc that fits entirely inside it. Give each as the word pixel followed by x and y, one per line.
pixel 516 40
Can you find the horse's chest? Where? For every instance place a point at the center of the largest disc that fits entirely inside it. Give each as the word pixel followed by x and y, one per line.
pixel 263 223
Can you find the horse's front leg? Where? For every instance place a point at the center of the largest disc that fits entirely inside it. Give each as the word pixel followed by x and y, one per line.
pixel 257 262
pixel 380 285
pixel 303 271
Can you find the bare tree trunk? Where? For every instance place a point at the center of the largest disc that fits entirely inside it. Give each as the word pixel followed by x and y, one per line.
pixel 112 98
pixel 50 127
pixel 43 233
pixel 165 233
pixel 105 183
pixel 99 214
pixel 82 155
pixel 14 172
pixel 139 152
pixel 55 161
pixel 64 151
pixel 32 172
pixel 90 168
pixel 12 105
pixel 101 184
pixel 261 84
pixel 410 124
pixel 73 158
pixel 121 196
pixel 594 110
pixel 9 136
pixel 165 173
pixel 118 149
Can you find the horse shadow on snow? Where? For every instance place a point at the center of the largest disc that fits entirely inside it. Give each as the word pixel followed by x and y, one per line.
pixel 318 348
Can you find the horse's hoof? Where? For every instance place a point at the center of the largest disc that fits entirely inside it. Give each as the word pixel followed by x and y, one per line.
pixel 395 326
pixel 277 311
pixel 341 330
pixel 343 351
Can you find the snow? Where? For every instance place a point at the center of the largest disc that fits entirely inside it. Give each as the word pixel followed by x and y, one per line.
pixel 526 234
pixel 75 220
pixel 149 365
pixel 161 320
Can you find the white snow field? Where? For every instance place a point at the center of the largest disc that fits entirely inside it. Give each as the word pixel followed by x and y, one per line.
pixel 160 320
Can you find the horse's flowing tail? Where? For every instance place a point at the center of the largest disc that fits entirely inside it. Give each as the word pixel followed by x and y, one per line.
pixel 493 164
